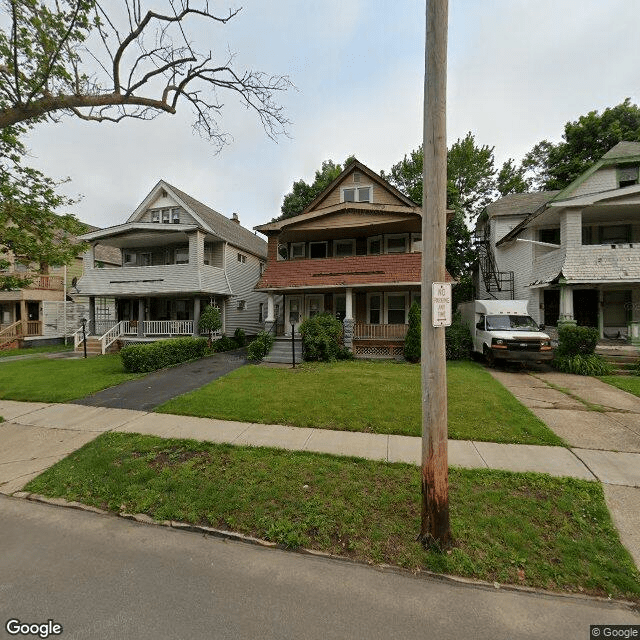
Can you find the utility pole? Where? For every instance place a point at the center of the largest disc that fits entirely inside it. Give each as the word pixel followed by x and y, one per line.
pixel 434 528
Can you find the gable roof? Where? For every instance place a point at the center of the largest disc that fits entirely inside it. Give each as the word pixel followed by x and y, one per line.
pixel 226 229
pixel 623 150
pixel 519 203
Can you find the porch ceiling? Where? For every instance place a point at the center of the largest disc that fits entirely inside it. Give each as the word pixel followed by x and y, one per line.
pixel 353 231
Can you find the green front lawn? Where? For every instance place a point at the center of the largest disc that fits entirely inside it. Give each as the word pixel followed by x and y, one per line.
pixel 6 353
pixel 626 383
pixel 527 529
pixel 378 397
pixel 41 380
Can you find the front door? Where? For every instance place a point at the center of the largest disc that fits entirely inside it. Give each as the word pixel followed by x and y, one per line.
pixel 293 314
pixel 585 307
pixel 315 305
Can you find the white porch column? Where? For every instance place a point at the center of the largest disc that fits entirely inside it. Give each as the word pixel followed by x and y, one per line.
pixel 140 317
pixel 270 308
pixel 196 316
pixel 566 305
pixel 348 314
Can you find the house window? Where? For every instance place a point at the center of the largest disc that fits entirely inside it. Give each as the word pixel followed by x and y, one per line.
pixel 155 216
pixel 182 257
pixel 374 308
pixel 344 248
pixel 283 252
pixel 242 258
pixel 357 194
pixel 144 259
pixel 175 216
pixel 552 236
pixel 297 250
pixel 396 308
pixel 165 216
pixel 627 176
pixel 317 249
pixel 262 266
pixel 261 312
pixel 374 245
pixel 620 234
pixel 396 243
pixel 129 258
pixel 416 242
pixel 242 305
pixel 182 312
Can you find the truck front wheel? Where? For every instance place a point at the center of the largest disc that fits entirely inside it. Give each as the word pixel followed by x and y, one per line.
pixel 488 356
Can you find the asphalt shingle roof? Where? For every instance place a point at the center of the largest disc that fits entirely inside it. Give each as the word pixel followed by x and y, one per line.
pixel 520 203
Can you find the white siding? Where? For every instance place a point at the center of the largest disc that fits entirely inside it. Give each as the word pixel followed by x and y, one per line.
pixel 604 179
pixel 243 277
pixel 53 325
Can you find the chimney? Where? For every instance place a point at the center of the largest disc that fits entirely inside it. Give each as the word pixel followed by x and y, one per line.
pixel 235 218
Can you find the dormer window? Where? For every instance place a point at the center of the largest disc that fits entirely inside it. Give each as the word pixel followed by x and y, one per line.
pixel 175 216
pixel 155 216
pixel 627 176
pixel 357 194
pixel 165 216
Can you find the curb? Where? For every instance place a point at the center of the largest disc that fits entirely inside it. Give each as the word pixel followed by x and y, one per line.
pixel 222 534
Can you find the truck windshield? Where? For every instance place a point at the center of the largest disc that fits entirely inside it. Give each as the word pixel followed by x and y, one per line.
pixel 511 323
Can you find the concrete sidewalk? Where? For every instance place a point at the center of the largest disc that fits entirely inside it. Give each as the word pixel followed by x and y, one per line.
pixel 37 435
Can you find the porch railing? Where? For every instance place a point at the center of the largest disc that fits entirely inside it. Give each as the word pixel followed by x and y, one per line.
pixel 379 331
pixel 53 283
pixel 10 333
pixel 34 327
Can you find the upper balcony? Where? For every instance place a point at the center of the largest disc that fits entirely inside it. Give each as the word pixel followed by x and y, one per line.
pixel 39 281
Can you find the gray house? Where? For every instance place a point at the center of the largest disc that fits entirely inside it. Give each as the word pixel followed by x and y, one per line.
pixel 177 256
pixel 573 254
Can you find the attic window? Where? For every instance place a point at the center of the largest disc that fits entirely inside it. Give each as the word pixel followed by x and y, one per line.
pixel 627 176
pixel 165 216
pixel 155 216
pixel 357 176
pixel 357 194
pixel 175 216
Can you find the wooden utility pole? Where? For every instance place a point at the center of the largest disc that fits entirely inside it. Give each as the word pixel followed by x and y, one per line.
pixel 434 528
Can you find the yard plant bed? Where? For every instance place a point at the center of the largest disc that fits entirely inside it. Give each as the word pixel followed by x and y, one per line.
pixel 42 380
pixel 524 529
pixel 378 397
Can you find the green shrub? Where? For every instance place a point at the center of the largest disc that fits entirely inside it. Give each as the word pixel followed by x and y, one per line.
pixel 412 341
pixel 260 347
pixel 322 338
pixel 240 337
pixel 582 365
pixel 574 341
pixel 141 358
pixel 224 344
pixel 458 341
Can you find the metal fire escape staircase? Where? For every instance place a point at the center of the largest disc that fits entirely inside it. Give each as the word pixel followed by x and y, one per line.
pixel 493 279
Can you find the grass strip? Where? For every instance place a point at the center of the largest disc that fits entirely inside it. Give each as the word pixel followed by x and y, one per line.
pixel 43 380
pixel 377 397
pixel 631 384
pixel 7 353
pixel 527 529
pixel 590 406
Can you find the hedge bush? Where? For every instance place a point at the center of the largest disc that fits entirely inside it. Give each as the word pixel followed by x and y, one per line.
pixel 412 341
pixel 583 365
pixel 223 344
pixel 574 341
pixel 240 337
pixel 322 339
pixel 458 340
pixel 142 358
pixel 260 347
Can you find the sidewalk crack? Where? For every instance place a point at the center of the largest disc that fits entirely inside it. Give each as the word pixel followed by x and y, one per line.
pixel 478 452
pixel 588 468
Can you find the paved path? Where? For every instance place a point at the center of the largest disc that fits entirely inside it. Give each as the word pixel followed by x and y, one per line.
pixel 109 578
pixel 155 388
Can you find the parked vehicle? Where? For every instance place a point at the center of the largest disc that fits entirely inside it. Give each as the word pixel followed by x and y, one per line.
pixel 503 330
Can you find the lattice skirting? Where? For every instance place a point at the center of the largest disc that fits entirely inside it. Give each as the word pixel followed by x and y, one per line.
pixel 395 351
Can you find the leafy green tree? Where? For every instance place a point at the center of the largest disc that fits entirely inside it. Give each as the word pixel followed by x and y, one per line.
pixel 555 166
pixel 512 179
pixel 303 194
pixel 210 321
pixel 30 226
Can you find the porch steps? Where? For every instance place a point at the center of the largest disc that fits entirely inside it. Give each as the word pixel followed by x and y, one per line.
pixel 95 349
pixel 623 358
pixel 281 351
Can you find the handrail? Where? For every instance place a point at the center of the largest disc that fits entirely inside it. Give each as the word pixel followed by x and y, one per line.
pixel 111 336
pixel 10 333
pixel 78 338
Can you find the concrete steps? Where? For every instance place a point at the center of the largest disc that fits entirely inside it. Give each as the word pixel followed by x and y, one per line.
pixel 623 358
pixel 94 347
pixel 281 351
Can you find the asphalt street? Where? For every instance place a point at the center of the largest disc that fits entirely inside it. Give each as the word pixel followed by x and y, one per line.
pixel 104 577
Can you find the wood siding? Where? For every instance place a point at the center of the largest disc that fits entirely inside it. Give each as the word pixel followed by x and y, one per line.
pixel 380 193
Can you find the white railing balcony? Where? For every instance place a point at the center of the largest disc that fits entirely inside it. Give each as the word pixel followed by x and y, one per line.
pixel 363 331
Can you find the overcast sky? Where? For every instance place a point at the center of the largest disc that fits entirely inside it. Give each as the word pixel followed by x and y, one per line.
pixel 518 70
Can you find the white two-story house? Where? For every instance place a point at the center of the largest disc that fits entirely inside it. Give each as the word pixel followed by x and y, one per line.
pixel 573 254
pixel 178 255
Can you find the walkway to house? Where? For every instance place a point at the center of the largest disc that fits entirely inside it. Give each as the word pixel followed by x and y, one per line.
pixel 155 388
pixel 36 435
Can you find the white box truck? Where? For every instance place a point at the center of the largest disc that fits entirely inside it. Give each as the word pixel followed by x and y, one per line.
pixel 503 330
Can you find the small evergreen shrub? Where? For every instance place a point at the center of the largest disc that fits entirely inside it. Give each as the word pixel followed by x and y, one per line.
pixel 322 339
pixel 210 321
pixel 224 344
pixel 240 337
pixel 576 352
pixel 260 347
pixel 142 358
pixel 458 341
pixel 573 341
pixel 412 341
